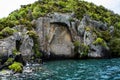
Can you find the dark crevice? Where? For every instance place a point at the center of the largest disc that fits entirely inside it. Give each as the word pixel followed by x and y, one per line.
pixel 18 44
pixel 60 23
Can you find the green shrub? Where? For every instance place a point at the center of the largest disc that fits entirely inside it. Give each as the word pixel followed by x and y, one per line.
pixel 80 7
pixel 117 24
pixel 98 33
pixel 37 51
pixel 81 49
pixel 16 67
pixel 116 33
pixel 32 34
pixel 106 35
pixel 84 50
pixel 103 34
pixel 100 41
pixel 115 46
pixel 1 27
pixel 7 32
pixel 76 43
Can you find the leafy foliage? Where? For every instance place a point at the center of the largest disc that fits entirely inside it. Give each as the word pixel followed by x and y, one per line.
pixel 7 32
pixel 81 49
pixel 40 8
pixel 115 47
pixel 76 43
pixel 100 41
pixel 16 67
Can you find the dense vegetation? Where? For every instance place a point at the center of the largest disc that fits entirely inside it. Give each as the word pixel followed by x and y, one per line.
pixel 40 8
pixel 29 12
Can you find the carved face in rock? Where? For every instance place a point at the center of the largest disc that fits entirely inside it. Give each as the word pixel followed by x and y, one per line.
pixel 61 43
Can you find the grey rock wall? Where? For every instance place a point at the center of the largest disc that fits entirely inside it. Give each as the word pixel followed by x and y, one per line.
pixel 57 33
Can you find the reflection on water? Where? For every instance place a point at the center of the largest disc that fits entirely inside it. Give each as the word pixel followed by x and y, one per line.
pixel 104 69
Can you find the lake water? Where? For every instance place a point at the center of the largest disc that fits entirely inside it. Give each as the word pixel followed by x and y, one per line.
pixel 91 69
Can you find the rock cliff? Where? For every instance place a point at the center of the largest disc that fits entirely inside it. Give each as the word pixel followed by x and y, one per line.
pixel 59 35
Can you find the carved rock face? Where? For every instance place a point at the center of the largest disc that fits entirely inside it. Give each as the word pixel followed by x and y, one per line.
pixel 61 43
pixel 54 38
pixel 57 33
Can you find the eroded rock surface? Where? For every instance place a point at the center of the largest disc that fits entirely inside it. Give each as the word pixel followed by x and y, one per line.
pixel 57 35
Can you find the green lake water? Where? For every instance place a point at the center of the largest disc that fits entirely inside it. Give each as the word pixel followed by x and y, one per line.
pixel 91 69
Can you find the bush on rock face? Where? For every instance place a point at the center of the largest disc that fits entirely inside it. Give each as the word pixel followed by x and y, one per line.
pixel 32 34
pixel 84 50
pixel 106 35
pixel 7 32
pixel 76 43
pixel 100 41
pixel 1 27
pixel 16 67
pixel 81 49
pixel 115 47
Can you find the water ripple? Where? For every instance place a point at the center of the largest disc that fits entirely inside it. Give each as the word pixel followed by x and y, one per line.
pixel 105 69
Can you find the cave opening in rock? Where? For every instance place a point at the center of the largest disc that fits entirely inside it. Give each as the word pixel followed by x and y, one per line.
pixel 18 44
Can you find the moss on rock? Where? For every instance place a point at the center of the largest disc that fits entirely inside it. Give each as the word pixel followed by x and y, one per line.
pixel 16 67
